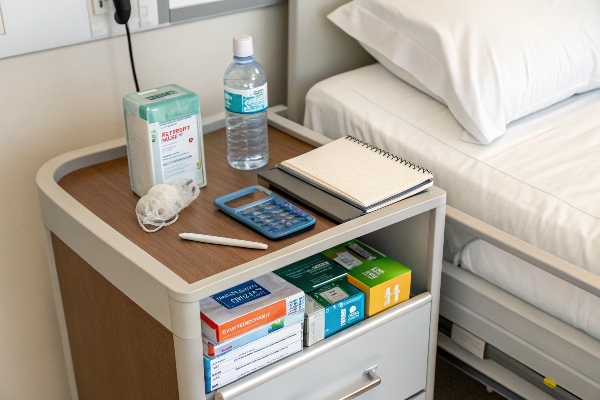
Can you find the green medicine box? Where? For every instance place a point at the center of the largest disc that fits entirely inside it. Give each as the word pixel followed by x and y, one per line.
pixel 311 272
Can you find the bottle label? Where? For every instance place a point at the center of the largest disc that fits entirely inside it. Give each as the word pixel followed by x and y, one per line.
pixel 247 101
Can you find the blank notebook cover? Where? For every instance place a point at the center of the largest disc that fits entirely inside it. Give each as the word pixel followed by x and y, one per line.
pixel 363 175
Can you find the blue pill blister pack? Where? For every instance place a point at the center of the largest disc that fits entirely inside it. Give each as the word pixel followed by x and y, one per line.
pixel 272 216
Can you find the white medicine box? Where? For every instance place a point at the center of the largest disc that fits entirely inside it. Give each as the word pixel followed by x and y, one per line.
pixel 164 137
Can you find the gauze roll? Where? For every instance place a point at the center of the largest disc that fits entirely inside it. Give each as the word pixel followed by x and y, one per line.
pixel 163 202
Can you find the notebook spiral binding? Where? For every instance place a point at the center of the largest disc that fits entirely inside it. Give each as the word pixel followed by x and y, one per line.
pixel 388 154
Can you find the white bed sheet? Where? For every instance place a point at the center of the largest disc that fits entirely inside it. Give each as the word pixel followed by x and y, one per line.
pixel 539 182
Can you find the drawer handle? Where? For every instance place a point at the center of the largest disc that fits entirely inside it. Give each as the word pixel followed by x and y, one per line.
pixel 374 381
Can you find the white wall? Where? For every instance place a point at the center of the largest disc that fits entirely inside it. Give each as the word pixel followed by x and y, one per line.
pixel 67 98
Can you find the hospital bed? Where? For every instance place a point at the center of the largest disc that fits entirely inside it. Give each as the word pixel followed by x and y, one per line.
pixel 520 305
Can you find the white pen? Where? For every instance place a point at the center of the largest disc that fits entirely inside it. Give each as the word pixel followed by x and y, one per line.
pixel 197 237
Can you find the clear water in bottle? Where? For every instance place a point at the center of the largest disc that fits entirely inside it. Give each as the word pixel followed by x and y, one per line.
pixel 246 108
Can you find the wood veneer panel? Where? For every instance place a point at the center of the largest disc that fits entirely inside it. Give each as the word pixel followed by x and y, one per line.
pixel 105 190
pixel 118 350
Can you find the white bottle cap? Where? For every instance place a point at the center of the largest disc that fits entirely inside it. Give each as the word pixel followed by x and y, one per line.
pixel 242 46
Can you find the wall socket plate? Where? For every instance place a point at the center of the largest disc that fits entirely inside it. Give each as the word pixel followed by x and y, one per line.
pixel 144 13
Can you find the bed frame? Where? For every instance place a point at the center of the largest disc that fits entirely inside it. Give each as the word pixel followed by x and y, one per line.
pixel 528 353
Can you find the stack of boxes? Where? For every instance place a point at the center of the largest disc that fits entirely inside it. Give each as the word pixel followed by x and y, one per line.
pixel 258 322
pixel 248 327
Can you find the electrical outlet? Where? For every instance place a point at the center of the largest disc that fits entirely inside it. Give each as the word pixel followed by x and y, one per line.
pixel 101 6
pixel 144 13
pixel 148 12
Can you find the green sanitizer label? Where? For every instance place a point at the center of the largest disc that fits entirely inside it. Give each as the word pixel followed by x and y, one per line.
pixel 248 101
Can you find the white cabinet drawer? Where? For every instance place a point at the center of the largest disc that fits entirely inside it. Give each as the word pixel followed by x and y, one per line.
pixel 398 347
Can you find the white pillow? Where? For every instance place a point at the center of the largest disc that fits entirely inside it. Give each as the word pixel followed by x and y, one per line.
pixel 490 62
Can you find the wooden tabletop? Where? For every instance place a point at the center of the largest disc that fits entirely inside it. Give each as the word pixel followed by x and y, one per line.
pixel 105 190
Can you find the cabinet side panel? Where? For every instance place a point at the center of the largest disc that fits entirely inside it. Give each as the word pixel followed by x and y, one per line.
pixel 118 350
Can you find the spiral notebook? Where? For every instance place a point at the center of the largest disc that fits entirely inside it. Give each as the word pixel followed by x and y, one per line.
pixel 363 175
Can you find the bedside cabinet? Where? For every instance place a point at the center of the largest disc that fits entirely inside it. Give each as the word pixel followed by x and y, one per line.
pixel 128 301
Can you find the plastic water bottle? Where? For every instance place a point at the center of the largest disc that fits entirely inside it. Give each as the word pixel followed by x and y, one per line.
pixel 246 108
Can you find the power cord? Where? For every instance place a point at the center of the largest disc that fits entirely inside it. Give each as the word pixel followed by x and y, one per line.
pixel 137 87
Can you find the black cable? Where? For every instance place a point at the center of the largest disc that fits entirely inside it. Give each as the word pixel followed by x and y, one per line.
pixel 137 87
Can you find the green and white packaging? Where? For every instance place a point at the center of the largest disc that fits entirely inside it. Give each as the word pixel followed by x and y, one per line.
pixel 164 137
pixel 352 254
pixel 311 272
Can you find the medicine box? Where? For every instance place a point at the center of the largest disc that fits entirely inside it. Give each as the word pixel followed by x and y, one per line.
pixel 229 367
pixel 384 281
pixel 331 308
pixel 213 349
pixel 164 137
pixel 311 272
pixel 247 306
pixel 352 254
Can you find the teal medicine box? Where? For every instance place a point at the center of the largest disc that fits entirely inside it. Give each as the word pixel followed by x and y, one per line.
pixel 331 308
pixel 164 137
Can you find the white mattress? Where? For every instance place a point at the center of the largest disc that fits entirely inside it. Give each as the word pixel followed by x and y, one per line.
pixel 538 182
